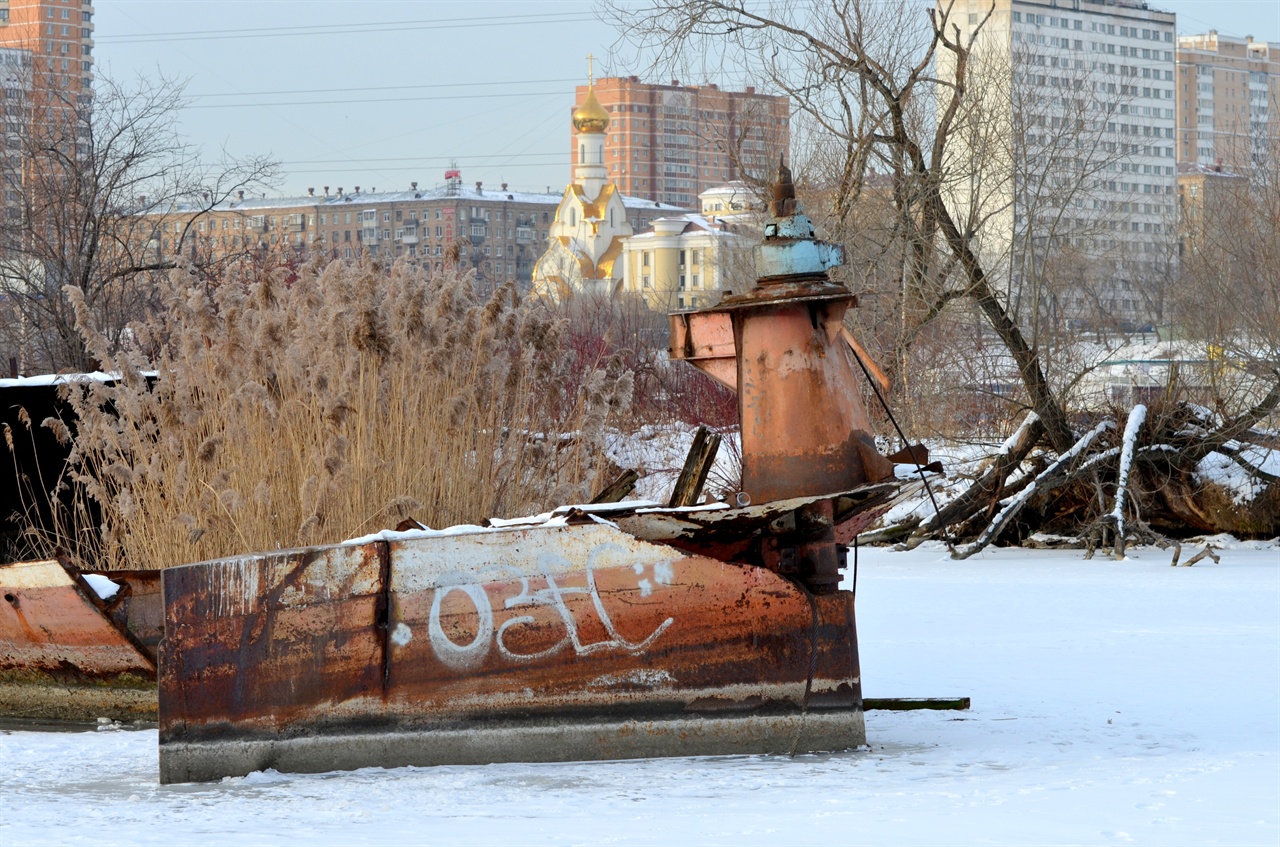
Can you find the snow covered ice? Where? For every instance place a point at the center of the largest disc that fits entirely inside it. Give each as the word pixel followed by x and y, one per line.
pixel 1113 703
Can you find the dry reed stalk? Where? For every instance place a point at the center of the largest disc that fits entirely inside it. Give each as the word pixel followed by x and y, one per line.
pixel 276 416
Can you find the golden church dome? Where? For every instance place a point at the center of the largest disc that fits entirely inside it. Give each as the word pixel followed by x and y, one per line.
pixel 590 116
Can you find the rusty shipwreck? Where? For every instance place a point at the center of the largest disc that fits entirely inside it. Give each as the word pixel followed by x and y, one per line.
pixel 603 631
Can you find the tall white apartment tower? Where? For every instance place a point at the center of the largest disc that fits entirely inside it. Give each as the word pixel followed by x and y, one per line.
pixel 1067 172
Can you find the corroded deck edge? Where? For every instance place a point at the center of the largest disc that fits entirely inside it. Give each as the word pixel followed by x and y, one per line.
pixel 815 731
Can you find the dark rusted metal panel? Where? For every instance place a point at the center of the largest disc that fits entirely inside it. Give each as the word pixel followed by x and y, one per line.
pixel 137 609
pixel 61 657
pixel 526 644
pixel 258 640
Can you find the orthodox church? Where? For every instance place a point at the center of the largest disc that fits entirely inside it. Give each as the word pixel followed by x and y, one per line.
pixel 585 240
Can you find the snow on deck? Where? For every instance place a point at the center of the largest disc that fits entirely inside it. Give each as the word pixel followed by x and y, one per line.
pixel 1113 703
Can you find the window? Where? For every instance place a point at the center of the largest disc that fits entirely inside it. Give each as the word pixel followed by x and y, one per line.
pixel 66 15
pixel 644 259
pixel 682 265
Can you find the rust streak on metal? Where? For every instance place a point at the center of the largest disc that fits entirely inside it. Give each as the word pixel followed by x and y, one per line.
pixel 382 610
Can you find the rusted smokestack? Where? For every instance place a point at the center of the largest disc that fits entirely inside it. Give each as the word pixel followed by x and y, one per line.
pixel 783 348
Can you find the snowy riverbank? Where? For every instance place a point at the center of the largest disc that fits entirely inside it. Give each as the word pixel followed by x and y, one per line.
pixel 1113 702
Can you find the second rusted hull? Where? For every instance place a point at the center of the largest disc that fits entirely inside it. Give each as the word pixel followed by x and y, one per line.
pixel 552 643
pixel 62 656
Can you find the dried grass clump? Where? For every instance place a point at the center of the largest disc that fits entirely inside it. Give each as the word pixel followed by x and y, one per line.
pixel 271 415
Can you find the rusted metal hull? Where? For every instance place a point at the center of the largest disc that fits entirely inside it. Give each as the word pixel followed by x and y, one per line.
pixel 549 643
pixel 62 657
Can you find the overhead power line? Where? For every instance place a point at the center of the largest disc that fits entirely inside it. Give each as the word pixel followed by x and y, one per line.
pixel 377 100
pixel 347 28
pixel 383 88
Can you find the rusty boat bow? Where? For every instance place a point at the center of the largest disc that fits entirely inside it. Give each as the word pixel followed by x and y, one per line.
pixel 596 632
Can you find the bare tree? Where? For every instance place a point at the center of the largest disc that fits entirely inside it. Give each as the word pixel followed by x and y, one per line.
pixel 989 169
pixel 74 183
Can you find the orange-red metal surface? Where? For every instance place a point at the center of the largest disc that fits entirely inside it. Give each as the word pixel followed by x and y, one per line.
pixel 60 655
pixel 521 628
pixel 705 340
pixel 804 427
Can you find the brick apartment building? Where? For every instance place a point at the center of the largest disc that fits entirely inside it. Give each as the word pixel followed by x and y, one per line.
pixel 670 143
pixel 1228 100
pixel 46 62
pixel 59 35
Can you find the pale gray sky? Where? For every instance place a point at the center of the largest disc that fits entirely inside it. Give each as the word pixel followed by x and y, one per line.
pixel 379 93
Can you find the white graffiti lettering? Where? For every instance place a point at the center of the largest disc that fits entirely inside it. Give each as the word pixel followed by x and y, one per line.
pixel 462 657
pixel 553 596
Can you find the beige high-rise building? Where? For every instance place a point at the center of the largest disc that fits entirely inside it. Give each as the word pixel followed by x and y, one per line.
pixel 1228 100
pixel 670 143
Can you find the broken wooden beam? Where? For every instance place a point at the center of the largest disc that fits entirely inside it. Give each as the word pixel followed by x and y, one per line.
pixel 619 488
pixel 693 476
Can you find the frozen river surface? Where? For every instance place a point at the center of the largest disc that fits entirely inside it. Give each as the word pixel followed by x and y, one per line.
pixel 1113 703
